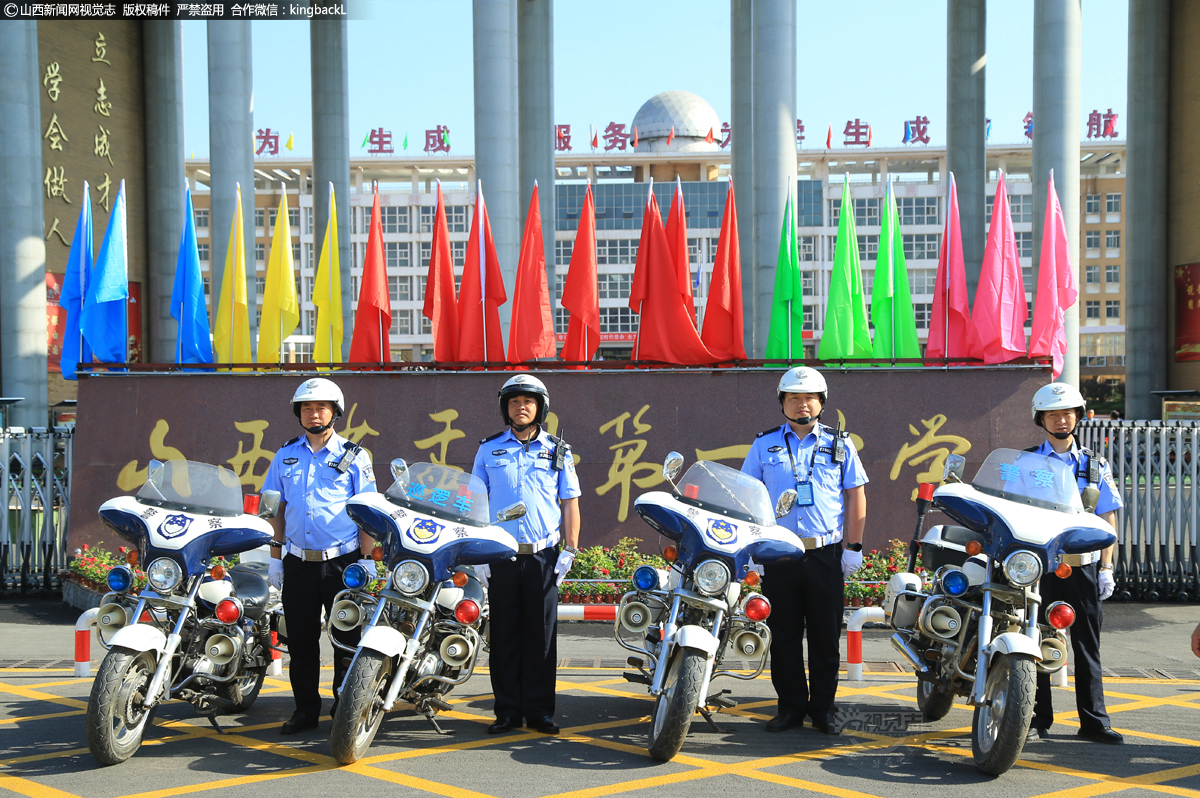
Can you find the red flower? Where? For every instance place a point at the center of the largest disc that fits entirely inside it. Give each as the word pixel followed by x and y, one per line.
pixel 121 549
pixel 85 547
pixel 604 571
pixel 621 563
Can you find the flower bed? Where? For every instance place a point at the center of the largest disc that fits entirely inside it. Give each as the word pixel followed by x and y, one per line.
pixel 866 586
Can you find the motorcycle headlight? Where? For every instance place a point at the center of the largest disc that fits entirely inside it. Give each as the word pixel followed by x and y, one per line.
pixel 410 577
pixel 1023 568
pixel 711 577
pixel 164 575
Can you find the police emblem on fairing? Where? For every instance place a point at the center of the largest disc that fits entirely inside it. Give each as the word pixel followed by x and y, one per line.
pixel 722 531
pixel 424 530
pixel 174 525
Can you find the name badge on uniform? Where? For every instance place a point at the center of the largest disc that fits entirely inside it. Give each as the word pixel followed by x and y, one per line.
pixel 804 494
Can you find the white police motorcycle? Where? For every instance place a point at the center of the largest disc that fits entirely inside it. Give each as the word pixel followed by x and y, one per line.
pixel 424 630
pixel 684 619
pixel 194 632
pixel 975 631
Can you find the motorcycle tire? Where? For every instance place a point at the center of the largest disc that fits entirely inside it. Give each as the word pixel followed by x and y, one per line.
pixel 933 700
pixel 358 716
pixel 243 691
pixel 115 721
pixel 674 709
pixel 1002 721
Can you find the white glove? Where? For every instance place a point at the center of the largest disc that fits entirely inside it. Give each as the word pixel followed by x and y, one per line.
pixel 371 566
pixel 483 573
pixel 275 573
pixel 1107 584
pixel 851 562
pixel 563 566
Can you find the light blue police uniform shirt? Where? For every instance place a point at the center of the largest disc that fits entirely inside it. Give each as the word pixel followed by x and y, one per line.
pixel 315 516
pixel 513 472
pixel 1110 497
pixel 768 461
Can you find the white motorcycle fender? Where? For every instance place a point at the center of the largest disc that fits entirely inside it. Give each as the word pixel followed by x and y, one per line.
pixel 1014 643
pixel 384 639
pixel 139 637
pixel 696 637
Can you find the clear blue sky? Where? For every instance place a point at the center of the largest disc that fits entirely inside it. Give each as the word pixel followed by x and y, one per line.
pixel 878 60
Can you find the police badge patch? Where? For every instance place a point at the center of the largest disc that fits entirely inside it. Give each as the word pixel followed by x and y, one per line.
pixel 424 530
pixel 174 525
pixel 722 531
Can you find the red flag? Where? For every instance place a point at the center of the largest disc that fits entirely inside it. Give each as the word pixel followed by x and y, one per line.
pixel 677 241
pixel 441 306
pixel 671 136
pixel 950 317
pixel 868 135
pixel 531 331
pixel 581 293
pixel 829 139
pixel 998 318
pixel 635 137
pixel 481 294
pixel 595 139
pixel 665 332
pixel 710 138
pixel 1056 285
pixel 373 320
pixel 723 329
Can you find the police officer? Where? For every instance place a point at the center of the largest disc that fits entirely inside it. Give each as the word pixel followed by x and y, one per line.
pixel 315 473
pixel 525 463
pixel 831 509
pixel 1057 408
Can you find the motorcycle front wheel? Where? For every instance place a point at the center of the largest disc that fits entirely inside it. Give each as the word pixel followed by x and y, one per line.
pixel 1002 721
pixel 675 707
pixel 116 715
pixel 359 713
pixel 933 700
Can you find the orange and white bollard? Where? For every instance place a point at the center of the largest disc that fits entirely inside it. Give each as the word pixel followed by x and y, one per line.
pixel 854 660
pixel 276 666
pixel 83 642
pixel 587 612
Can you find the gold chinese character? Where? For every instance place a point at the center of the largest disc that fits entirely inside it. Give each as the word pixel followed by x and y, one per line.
pixel 442 439
pixel 56 183
pixel 102 106
pixel 625 466
pixel 103 190
pixel 101 50
pixel 55 133
pixel 131 477
pixel 931 447
pixel 243 463
pixel 54 230
pixel 101 150
pixel 51 80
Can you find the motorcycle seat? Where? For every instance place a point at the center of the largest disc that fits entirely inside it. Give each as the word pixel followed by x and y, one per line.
pixel 250 586
pixel 960 535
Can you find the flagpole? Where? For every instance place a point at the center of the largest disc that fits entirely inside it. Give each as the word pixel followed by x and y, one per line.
pixel 291 275
pixel 788 221
pixel 231 279
pixel 892 197
pixel 946 298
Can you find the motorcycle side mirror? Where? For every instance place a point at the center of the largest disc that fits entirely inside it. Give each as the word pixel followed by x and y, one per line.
pixel 268 504
pixel 1090 496
pixel 785 502
pixel 512 512
pixel 399 469
pixel 672 465
pixel 956 465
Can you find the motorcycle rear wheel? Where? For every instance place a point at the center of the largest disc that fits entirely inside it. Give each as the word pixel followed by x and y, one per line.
pixel 358 715
pixel 116 716
pixel 1001 723
pixel 675 708
pixel 933 700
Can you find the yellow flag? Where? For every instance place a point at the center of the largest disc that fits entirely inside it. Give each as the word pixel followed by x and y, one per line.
pixel 280 310
pixel 231 327
pixel 291 140
pixel 327 294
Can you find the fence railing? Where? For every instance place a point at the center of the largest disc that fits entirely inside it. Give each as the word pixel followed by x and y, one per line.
pixel 1155 465
pixel 37 465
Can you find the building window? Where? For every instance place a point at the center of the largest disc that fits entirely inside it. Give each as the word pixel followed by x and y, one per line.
pixel 615 286
pixel 260 285
pixel 1112 239
pixel 1112 203
pixel 1091 239
pixel 421 288
pixel 202 217
pixel 808 248
pixel 426 326
pixel 1092 203
pixel 308 250
pixel 618 320
pixel 260 253
pixel 426 248
pixel 1092 309
pixel 922 246
pixel 1024 245
pixel 835 212
pixel 917 210
pixel 1092 275
pixel 458 253
pixel 1021 208
pixel 1112 311
pixel 616 252
pixel 562 252
pixel 260 216
pixel 809 316
pixel 866 212
pixel 202 252
pixel 396 254
pixel 922 281
pixel 310 322
pixel 308 220
pixel 560 280
pixel 868 247
pixel 808 283
pixel 294 220
pixel 400 288
pixel 922 311
pixel 402 322
pixel 562 320
pixel 1112 273
pixel 393 219
pixel 694 253
pixel 456 218
pixel 207 286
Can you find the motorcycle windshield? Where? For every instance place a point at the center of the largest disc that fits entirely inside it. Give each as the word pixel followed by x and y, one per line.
pixel 721 489
pixel 193 487
pixel 443 492
pixel 1030 478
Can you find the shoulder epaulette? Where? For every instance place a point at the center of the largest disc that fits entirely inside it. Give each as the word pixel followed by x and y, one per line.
pixel 1099 458
pixel 1033 448
pixel 554 440
pixel 493 437
pixel 841 433
pixel 767 431
pixel 293 440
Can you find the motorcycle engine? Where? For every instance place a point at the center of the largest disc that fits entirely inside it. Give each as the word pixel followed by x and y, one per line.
pixel 429 665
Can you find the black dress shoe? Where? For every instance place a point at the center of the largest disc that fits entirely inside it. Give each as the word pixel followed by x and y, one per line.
pixel 544 725
pixel 503 725
pixel 786 719
pixel 298 723
pixel 1102 735
pixel 1036 735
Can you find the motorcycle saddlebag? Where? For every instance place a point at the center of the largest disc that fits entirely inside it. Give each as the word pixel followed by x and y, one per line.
pixel 946 545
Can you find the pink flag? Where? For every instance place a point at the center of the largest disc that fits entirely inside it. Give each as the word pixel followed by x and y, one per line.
pixel 951 313
pixel 1056 285
pixel 998 318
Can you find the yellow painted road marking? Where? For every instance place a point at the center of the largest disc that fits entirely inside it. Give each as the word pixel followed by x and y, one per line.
pixel 29 718
pixel 222 783
pixel 32 788
pixel 414 782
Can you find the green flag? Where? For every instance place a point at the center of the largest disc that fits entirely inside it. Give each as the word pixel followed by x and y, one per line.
pixel 363 146
pixel 785 339
pixel 891 299
pixel 846 335
pixel 406 139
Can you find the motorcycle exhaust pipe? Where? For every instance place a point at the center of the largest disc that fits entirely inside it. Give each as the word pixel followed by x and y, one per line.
pixel 222 649
pixel 1054 655
pixel 346 615
pixel 456 651
pixel 902 646
pixel 635 617
pixel 942 622
pixel 110 618
pixel 748 643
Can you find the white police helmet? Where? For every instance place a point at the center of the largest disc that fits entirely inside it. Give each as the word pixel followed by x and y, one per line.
pixel 529 385
pixel 1057 396
pixel 802 379
pixel 319 389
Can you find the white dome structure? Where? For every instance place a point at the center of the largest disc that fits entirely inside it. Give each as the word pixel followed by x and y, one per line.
pixel 690 115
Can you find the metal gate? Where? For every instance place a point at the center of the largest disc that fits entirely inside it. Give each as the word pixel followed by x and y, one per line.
pixel 1154 464
pixel 37 465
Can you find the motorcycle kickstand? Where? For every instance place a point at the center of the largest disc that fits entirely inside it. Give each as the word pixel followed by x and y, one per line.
pixel 430 716
pixel 708 716
pixel 213 720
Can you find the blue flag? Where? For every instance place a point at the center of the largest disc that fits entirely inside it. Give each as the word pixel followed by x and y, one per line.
pixel 192 341
pixel 105 312
pixel 79 270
